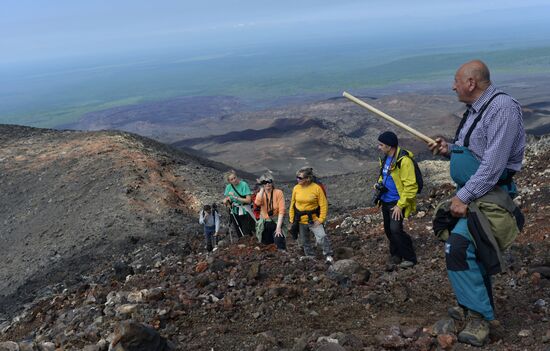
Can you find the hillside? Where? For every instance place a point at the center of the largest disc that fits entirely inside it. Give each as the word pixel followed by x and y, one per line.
pixel 72 201
pixel 99 230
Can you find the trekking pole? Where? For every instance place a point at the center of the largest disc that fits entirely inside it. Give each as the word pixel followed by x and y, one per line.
pixel 229 229
pixel 389 118
pixel 237 223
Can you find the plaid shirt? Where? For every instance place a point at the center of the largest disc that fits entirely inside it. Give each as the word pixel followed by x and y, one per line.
pixel 498 141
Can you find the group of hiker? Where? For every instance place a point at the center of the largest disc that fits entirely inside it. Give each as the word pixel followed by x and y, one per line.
pixel 486 152
pixel 308 211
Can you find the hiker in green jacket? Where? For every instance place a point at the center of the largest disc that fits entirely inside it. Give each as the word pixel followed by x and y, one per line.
pixel 238 197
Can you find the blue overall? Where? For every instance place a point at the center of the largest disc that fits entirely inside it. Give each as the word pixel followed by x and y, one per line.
pixel 470 283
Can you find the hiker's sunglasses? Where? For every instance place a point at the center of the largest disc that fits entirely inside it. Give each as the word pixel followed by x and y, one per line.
pixel 264 182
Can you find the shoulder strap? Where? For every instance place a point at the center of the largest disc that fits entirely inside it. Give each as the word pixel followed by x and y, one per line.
pixel 382 164
pixel 461 124
pixel 394 160
pixel 402 153
pixel 478 118
pixel 269 201
pixel 237 191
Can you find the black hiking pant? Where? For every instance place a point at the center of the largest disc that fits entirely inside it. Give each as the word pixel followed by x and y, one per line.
pixel 400 242
pixel 245 223
pixel 268 236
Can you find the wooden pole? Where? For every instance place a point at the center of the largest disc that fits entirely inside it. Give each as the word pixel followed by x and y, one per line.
pixel 390 119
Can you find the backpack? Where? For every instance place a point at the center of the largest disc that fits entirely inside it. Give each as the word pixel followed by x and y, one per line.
pixel 417 172
pixel 255 208
pixel 318 182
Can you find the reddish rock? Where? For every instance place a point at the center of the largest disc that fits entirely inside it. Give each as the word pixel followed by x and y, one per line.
pixel 446 341
pixel 424 343
pixel 535 278
pixel 201 267
pixel 228 303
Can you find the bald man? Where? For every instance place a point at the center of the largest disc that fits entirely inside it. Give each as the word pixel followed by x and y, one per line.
pixel 487 151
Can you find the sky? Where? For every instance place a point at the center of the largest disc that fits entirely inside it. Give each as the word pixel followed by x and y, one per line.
pixel 60 59
pixel 35 30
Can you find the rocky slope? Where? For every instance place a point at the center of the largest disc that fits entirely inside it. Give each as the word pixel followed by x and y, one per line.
pixel 153 271
pixel 71 200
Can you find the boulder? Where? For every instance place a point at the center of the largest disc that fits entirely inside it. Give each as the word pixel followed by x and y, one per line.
pixel 132 336
pixel 9 346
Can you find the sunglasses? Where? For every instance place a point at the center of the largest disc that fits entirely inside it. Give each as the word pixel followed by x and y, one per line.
pixel 266 182
pixel 299 178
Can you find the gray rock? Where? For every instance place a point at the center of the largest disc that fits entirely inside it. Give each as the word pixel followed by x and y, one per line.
pixel 132 336
pixel 4 326
pixel 126 309
pixel 223 243
pixel 27 346
pixel 342 253
pixel 345 267
pixel 9 346
pixel 46 346
pixel 122 269
pixel 135 296
pixel 347 270
pixel 103 345
pixel 332 346
pixel 410 332
pixel 218 265
pixel 349 340
pixel 392 339
pixel 444 326
pixel 301 344
pixel 267 337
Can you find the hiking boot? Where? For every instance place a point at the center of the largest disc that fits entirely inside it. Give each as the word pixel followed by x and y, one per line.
pixel 406 264
pixel 476 331
pixel 457 313
pixel 329 259
pixel 394 260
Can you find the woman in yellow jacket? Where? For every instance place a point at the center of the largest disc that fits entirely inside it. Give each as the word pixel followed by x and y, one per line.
pixel 309 207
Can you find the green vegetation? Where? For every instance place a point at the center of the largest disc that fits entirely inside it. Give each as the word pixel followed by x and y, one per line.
pixel 59 97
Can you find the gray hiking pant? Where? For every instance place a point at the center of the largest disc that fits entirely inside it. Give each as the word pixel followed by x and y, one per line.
pixel 320 238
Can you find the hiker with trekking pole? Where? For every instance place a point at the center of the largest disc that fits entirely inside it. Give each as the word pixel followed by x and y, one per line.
pixel 238 198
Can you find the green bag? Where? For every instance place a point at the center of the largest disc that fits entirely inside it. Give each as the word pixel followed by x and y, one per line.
pixel 260 224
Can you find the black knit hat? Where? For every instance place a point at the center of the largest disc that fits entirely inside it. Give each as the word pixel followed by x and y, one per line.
pixel 388 138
